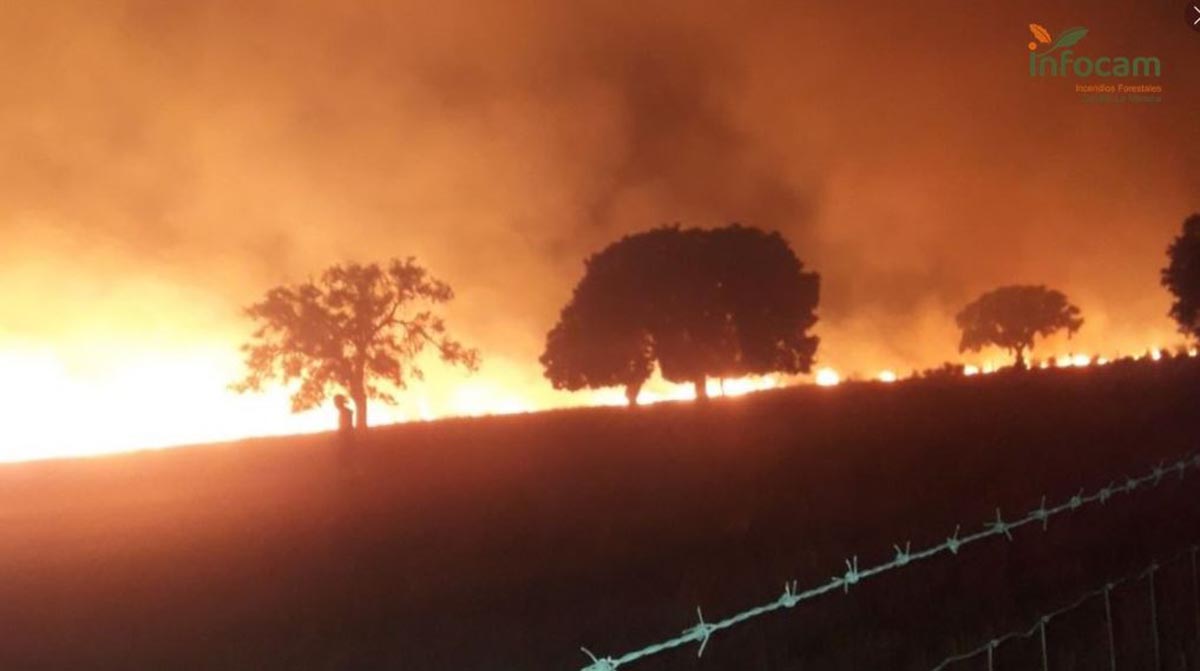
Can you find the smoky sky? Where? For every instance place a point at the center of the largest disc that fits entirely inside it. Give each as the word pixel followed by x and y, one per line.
pixel 167 162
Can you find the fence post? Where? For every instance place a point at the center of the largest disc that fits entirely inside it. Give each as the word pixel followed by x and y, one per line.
pixel 1196 593
pixel 1112 639
pixel 1045 657
pixel 1154 619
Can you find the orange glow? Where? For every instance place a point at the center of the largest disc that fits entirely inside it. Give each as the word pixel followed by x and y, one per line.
pixel 157 398
pixel 745 385
pixel 168 165
pixel 473 399
pixel 123 398
pixel 165 396
pixel 828 377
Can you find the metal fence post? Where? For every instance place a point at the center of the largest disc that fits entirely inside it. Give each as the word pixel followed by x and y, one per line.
pixel 1045 657
pixel 1154 620
pixel 1112 639
pixel 1196 593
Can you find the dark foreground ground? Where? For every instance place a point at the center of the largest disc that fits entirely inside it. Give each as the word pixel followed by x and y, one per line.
pixel 507 543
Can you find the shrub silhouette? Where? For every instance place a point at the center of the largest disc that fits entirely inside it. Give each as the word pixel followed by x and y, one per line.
pixel 1010 317
pixel 726 302
pixel 354 329
pixel 1182 277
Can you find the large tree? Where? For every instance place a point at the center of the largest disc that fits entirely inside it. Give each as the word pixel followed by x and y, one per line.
pixel 1010 317
pixel 1182 277
pixel 358 328
pixel 727 302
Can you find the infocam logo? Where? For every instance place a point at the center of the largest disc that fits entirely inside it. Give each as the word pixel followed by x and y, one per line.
pixel 1057 59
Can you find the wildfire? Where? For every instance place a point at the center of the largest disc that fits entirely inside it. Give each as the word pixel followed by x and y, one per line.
pixel 153 397
pixel 659 391
pixel 164 397
pixel 157 398
pixel 828 377
pixel 745 385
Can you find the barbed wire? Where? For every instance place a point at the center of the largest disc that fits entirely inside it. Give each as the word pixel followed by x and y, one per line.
pixel 701 632
pixel 1039 626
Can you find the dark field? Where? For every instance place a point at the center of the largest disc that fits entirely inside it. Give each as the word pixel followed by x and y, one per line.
pixel 506 543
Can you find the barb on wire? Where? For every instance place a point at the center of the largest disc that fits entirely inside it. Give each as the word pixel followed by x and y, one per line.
pixel 1042 514
pixel 702 632
pixel 1000 526
pixel 605 664
pixel 852 575
pixel 789 598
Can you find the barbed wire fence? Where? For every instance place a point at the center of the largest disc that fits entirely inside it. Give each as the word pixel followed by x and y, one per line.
pixel 1038 628
pixel 792 596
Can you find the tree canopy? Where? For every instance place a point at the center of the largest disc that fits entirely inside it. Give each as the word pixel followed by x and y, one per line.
pixel 726 302
pixel 1182 277
pixel 1010 317
pixel 357 328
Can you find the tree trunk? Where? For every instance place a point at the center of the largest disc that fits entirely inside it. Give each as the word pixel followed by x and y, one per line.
pixel 358 391
pixel 631 393
pixel 701 388
pixel 1021 358
pixel 360 411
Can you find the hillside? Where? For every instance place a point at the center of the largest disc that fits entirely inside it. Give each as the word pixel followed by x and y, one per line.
pixel 508 542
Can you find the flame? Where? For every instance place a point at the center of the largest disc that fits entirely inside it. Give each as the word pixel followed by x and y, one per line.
pixel 745 385
pixel 149 397
pixel 828 377
pixel 475 399
pixel 156 399
pixel 159 397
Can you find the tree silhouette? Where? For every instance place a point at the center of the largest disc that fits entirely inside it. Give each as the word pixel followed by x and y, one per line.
pixel 355 329
pixel 1010 317
pixel 726 302
pixel 1182 277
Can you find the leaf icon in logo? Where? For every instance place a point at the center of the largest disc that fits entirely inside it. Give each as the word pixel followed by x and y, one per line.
pixel 1069 37
pixel 1040 33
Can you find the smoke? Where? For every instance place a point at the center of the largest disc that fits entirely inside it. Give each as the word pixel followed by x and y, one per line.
pixel 164 163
